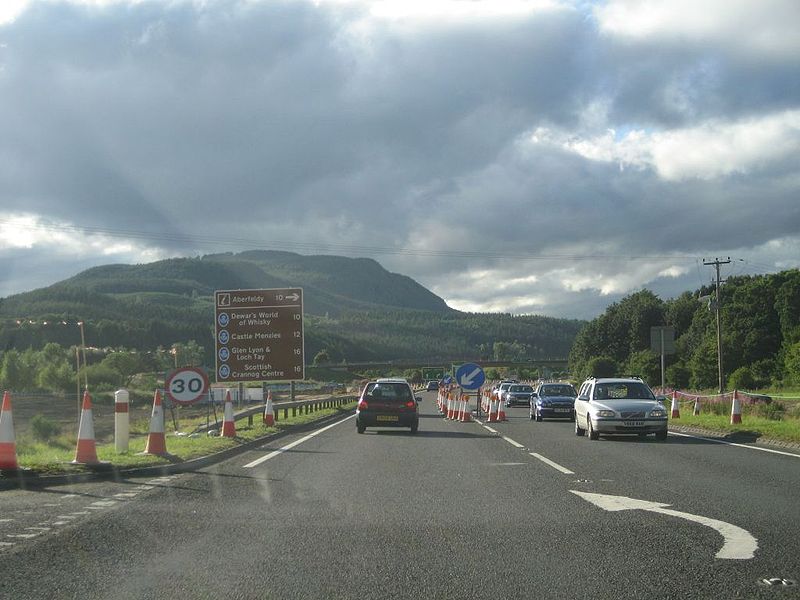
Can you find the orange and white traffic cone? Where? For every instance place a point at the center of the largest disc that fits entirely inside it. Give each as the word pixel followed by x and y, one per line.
pixel 156 441
pixel 676 411
pixel 491 417
pixel 462 407
pixel 228 424
pixel 466 416
pixel 501 411
pixel 86 450
pixel 450 404
pixel 8 444
pixel 269 415
pixel 696 410
pixel 736 409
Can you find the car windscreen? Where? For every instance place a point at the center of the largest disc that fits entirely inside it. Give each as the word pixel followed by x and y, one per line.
pixel 623 391
pixel 558 390
pixel 389 392
pixel 525 389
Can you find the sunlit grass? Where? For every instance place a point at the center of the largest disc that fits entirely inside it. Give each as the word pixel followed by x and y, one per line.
pixel 55 455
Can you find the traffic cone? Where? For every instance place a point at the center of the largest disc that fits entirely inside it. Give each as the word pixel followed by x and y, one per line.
pixel 736 409
pixel 460 412
pixel 86 450
pixel 269 415
pixel 491 416
pixel 501 411
pixel 676 411
pixel 696 410
pixel 156 442
pixel 228 424
pixel 8 444
pixel 466 417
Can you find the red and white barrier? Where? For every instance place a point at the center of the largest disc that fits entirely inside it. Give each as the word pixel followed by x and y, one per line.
pixel 696 409
pixel 466 416
pixel 8 443
pixel 676 411
pixel 736 409
pixel 86 450
pixel 228 423
pixel 156 440
pixel 122 427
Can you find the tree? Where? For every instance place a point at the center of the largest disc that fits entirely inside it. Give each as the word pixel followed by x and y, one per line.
pixel 647 365
pixel 601 366
pixel 127 363
pixel 792 363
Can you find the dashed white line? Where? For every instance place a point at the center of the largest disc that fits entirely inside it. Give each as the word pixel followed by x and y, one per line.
pixel 82 512
pixel 487 428
pixel 37 528
pixel 513 443
pixel 25 536
pixel 126 495
pixel 6 520
pixel 287 447
pixel 555 465
pixel 69 496
pixel 67 517
pixel 103 503
pixel 6 544
pixel 61 523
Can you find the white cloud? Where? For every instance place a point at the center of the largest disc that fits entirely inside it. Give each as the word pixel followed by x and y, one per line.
pixel 707 151
pixel 766 27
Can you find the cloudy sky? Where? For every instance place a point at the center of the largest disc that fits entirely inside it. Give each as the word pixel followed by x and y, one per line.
pixel 544 156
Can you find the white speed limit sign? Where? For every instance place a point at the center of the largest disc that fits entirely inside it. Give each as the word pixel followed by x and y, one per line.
pixel 186 385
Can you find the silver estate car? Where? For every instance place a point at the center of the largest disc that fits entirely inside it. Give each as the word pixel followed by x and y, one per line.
pixel 618 407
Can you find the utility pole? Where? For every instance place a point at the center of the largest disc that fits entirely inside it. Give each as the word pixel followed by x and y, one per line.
pixel 718 307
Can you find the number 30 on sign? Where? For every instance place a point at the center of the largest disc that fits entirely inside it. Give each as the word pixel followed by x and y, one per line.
pixel 186 385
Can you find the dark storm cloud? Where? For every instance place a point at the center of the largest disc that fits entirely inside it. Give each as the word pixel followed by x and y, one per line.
pixel 319 124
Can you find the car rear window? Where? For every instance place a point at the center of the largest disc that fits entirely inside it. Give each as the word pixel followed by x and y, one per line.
pixel 389 392
pixel 558 390
pixel 521 388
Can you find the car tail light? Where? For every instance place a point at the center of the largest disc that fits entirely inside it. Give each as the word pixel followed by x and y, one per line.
pixel 362 405
pixel 411 404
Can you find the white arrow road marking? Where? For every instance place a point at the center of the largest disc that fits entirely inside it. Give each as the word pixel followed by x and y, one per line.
pixel 468 379
pixel 739 544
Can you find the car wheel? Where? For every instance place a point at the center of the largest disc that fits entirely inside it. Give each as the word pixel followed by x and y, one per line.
pixel 360 428
pixel 579 431
pixel 539 417
pixel 661 435
pixel 593 435
pixel 415 427
pixel 531 414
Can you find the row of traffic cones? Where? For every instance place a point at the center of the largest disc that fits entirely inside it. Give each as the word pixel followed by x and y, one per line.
pixel 86 449
pixel 452 406
pixel 493 406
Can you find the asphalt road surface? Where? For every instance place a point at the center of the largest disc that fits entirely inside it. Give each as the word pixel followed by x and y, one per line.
pixel 456 511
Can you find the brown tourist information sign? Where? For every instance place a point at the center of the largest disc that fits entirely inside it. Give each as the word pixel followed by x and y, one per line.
pixel 259 335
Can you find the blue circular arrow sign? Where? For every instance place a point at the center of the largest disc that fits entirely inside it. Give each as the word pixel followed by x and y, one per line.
pixel 470 376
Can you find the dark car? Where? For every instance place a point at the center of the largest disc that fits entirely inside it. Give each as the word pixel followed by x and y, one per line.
pixel 553 401
pixel 432 386
pixel 518 394
pixel 387 403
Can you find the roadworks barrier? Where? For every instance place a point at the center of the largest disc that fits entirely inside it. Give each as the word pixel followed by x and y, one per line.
pixel 676 411
pixel 8 444
pixel 736 409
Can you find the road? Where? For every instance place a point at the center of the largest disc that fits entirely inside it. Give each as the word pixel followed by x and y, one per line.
pixel 456 511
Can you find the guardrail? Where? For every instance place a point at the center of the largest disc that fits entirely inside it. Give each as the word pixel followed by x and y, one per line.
pixel 308 406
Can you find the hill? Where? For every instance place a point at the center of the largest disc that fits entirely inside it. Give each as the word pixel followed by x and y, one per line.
pixel 355 309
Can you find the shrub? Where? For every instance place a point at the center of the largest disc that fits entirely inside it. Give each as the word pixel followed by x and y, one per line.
pixel 44 429
pixel 741 379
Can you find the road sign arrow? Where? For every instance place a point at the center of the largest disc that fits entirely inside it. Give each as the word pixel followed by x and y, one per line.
pixel 739 544
pixel 293 297
pixel 467 380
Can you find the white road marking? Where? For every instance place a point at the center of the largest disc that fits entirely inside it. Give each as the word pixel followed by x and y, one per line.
pixel 280 451
pixel 512 442
pixel 553 464
pixel 24 536
pixel 739 544
pixel 61 523
pixel 144 488
pixel 69 517
pixel 126 495
pixel 6 520
pixel 103 503
pixel 6 544
pixel 69 496
pixel 748 447
pixel 37 528
pixel 487 428
pixel 81 512
pixel 51 505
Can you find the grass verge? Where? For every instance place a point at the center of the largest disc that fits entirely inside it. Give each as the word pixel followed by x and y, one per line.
pixel 785 430
pixel 54 456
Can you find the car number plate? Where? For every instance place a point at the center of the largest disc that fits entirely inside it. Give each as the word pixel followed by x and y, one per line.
pixel 387 418
pixel 562 410
pixel 633 423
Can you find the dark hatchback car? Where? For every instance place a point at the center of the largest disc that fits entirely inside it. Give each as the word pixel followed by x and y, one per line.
pixel 518 394
pixel 432 386
pixel 387 403
pixel 553 401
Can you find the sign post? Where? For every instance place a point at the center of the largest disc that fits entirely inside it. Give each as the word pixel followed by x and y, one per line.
pixel 259 335
pixel 662 341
